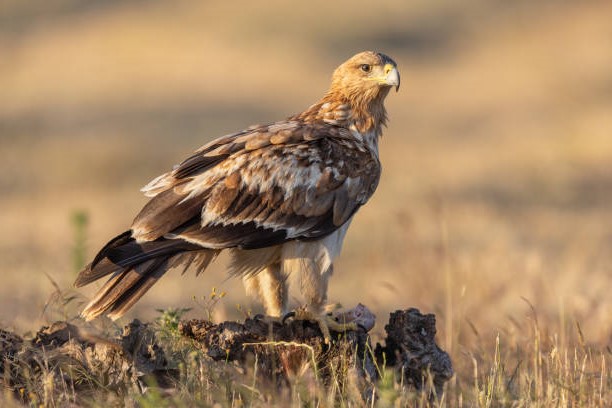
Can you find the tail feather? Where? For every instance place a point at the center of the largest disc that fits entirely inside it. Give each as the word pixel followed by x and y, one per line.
pixel 124 289
pixel 198 259
pixel 136 291
pixel 123 251
pixel 135 267
pixel 119 240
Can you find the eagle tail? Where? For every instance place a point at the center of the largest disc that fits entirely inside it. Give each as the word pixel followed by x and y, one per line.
pixel 135 267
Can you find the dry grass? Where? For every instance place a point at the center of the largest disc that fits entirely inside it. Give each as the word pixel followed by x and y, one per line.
pixel 494 207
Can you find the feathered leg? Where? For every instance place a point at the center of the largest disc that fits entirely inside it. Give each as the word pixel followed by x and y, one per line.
pixel 269 285
pixel 313 284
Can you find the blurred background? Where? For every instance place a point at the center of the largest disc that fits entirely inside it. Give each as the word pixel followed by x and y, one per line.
pixel 496 195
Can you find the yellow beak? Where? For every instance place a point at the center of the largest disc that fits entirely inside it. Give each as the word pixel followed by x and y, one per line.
pixel 392 76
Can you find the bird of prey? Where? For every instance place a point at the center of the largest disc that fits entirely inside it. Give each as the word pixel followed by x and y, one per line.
pixel 279 197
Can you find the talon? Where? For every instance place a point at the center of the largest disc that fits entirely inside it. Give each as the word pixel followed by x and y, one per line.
pixel 287 316
pixel 326 322
pixel 336 326
pixel 269 320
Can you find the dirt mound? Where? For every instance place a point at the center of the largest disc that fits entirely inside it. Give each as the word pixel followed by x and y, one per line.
pixel 62 363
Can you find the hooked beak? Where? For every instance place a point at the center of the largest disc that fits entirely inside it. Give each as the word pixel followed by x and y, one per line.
pixel 392 76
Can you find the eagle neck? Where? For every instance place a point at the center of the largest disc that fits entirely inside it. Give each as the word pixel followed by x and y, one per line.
pixel 367 117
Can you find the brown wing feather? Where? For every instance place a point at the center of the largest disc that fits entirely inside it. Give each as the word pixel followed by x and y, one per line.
pixel 288 180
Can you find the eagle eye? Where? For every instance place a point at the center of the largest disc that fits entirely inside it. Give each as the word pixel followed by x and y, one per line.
pixel 366 67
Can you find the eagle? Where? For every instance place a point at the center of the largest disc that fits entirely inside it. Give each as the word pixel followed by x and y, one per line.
pixel 278 197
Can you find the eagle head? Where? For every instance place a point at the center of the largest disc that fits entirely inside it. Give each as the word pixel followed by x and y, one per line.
pixel 363 81
pixel 367 73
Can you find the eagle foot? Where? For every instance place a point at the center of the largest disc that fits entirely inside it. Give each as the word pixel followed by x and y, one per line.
pixel 326 322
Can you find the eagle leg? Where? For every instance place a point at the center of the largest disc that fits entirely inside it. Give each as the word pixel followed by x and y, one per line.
pixel 270 285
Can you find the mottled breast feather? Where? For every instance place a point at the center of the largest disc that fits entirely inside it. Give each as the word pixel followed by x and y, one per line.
pixel 261 187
